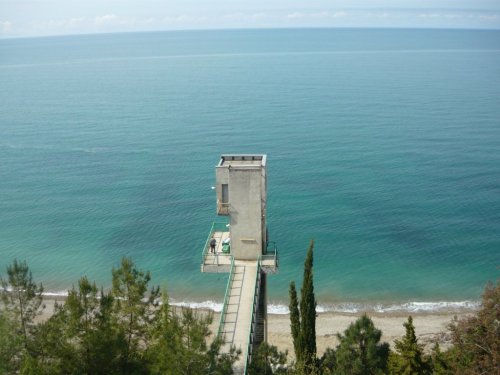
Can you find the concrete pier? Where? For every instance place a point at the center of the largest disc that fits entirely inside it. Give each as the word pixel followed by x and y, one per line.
pixel 242 248
pixel 236 321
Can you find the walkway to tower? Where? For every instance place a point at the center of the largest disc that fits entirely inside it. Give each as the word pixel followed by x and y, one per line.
pixel 242 322
pixel 239 315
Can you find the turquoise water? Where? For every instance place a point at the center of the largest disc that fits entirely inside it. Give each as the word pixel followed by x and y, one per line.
pixel 383 146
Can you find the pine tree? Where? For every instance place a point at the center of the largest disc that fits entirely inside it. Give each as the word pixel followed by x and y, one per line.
pixel 267 360
pixel 360 351
pixel 81 337
pixel 439 363
pixel 22 299
pixel 178 344
pixel 328 361
pixel 10 344
pixel 408 359
pixel 133 310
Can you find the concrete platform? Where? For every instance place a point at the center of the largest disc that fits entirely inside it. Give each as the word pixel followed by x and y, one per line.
pixel 220 262
pixel 217 262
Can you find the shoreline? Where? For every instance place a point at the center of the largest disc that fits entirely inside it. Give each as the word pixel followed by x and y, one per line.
pixel 430 326
pixel 373 308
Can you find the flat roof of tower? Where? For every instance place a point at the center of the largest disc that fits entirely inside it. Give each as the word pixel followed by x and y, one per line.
pixel 242 160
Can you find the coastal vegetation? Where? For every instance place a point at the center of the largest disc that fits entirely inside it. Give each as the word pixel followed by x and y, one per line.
pixel 475 345
pixel 133 329
pixel 127 330
pixel 303 321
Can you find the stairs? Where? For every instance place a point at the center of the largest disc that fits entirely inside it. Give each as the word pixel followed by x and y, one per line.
pixel 229 319
pixel 261 313
pixel 240 318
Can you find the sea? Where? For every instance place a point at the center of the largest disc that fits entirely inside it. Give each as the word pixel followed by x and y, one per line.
pixel 383 146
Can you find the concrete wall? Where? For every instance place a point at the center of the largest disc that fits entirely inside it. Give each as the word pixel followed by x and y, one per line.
pixel 221 177
pixel 245 189
pixel 245 176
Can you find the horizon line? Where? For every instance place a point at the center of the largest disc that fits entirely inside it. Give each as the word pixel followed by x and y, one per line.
pixel 253 29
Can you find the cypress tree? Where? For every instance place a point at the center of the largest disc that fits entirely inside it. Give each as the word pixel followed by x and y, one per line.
pixel 295 322
pixel 303 320
pixel 308 312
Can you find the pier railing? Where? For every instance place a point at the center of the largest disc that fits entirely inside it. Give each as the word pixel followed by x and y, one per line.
pixel 253 323
pixel 220 332
pixel 216 227
pixel 270 259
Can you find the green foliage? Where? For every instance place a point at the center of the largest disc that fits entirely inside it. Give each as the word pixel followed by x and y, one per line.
pixel 328 361
pixel 22 299
pixel 179 344
pixel 267 360
pixel 476 339
pixel 221 363
pixel 360 351
pixel 22 302
pixel 439 362
pixel 295 322
pixel 128 331
pixel 132 312
pixel 10 344
pixel 308 311
pixel 408 359
pixel 81 336
pixel 125 331
pixel 303 321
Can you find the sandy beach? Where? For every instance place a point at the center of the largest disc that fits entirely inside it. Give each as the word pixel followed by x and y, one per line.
pixel 430 327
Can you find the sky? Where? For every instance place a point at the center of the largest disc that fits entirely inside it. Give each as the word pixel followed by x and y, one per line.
pixel 24 18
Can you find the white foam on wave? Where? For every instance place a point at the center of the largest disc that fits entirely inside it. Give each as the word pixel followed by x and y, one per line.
pixel 406 307
pixel 345 307
pixel 63 293
pixel 277 309
pixel 210 305
pixel 353 308
pixel 442 306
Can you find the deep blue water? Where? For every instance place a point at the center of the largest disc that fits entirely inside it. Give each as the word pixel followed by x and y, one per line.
pixel 383 146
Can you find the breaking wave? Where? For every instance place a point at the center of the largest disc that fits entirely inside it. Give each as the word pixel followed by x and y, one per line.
pixel 353 308
pixel 345 307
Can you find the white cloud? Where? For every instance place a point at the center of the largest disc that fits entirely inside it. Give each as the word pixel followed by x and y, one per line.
pixel 5 26
pixel 184 21
pixel 460 16
pixel 241 19
pixel 101 20
pixel 316 15
pixel 76 20
pixel 108 20
pixel 339 14
pixel 259 16
pixel 295 15
pixel 490 17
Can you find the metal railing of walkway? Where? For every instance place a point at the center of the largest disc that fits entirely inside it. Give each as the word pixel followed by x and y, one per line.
pixel 253 323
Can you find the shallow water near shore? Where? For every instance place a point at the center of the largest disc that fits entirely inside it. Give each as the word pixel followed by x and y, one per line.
pixel 382 146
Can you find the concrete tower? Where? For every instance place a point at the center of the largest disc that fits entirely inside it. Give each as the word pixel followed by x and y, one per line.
pixel 243 249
